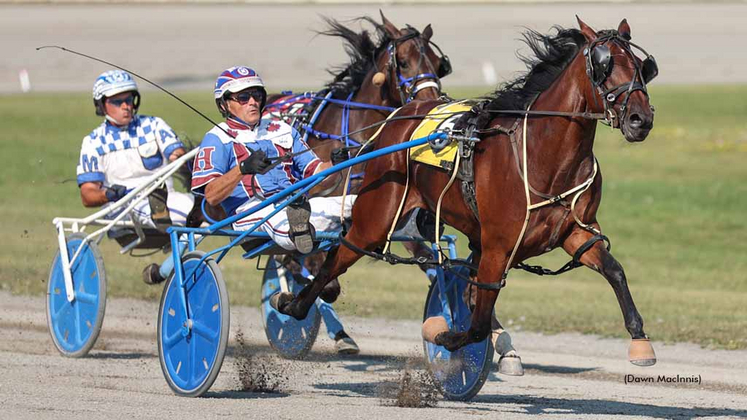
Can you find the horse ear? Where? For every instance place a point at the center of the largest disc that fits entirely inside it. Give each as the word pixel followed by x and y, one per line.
pixel 624 29
pixel 586 30
pixel 427 32
pixel 391 30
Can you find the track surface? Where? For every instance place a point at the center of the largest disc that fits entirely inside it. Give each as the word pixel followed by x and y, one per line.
pixel 568 375
pixel 186 46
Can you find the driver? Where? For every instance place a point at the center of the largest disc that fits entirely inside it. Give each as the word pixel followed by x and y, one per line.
pixel 124 151
pixel 233 169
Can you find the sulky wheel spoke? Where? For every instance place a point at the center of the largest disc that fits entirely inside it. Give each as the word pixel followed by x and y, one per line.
pixel 87 298
pixel 172 340
pixel 78 338
pixel 203 331
pixel 56 315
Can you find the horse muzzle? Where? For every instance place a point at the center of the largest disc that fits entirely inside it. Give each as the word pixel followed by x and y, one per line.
pixel 637 125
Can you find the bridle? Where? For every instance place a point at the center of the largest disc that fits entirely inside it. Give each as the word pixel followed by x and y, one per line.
pixel 599 65
pixel 409 87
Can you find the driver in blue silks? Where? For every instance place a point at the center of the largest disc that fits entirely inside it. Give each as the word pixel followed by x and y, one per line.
pixel 233 169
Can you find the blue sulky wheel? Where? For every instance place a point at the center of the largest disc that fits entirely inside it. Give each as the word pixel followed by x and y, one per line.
pixel 75 325
pixel 461 374
pixel 191 355
pixel 291 338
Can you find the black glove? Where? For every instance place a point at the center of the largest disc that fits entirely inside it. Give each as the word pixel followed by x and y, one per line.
pixel 115 192
pixel 256 163
pixel 339 155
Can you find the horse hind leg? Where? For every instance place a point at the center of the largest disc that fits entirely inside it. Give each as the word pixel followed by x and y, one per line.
pixel 640 352
pixel 510 361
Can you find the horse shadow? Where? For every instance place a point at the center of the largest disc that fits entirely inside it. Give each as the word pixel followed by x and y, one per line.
pixel 544 406
pixel 243 395
pixel 540 406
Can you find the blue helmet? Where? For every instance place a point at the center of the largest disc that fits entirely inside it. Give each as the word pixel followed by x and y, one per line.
pixel 236 79
pixel 111 83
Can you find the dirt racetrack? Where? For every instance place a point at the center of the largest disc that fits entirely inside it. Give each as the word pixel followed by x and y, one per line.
pixel 567 375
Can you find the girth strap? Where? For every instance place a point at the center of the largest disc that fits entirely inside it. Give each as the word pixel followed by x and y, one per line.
pixel 423 261
pixel 570 265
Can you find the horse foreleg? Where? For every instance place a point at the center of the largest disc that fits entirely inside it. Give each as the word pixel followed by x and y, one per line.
pixel 337 262
pixel 314 263
pixel 600 260
pixel 489 272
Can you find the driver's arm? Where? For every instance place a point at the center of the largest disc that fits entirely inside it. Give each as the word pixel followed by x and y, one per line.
pixel 220 188
pixel 176 154
pixel 92 195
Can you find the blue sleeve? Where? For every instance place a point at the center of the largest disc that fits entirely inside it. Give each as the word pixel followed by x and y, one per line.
pixel 168 139
pixel 89 167
pixel 211 162
pixel 304 164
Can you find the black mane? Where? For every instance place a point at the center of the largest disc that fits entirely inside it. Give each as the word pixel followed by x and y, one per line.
pixel 362 49
pixel 552 54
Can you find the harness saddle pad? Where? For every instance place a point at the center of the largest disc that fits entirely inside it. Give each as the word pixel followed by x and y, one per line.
pixel 442 117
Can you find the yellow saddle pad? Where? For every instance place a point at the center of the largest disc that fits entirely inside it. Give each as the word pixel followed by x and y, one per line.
pixel 442 117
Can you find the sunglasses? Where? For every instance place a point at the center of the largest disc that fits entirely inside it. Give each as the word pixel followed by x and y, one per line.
pixel 118 102
pixel 243 97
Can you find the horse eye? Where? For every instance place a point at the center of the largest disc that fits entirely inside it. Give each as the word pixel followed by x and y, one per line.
pixel 403 64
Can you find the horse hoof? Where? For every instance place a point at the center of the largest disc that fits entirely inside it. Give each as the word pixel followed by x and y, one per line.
pixel 280 300
pixel 510 365
pixel 641 353
pixel 434 326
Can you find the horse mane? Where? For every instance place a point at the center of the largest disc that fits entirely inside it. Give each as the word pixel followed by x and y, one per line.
pixel 551 55
pixel 362 49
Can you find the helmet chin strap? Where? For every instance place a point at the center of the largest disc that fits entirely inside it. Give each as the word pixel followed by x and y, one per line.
pixel 115 122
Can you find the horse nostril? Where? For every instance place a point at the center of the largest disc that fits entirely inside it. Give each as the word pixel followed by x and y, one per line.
pixel 635 121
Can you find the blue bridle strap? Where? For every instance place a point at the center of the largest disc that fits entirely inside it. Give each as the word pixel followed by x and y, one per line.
pixel 407 82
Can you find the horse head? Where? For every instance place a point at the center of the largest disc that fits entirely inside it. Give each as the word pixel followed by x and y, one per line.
pixel 411 66
pixel 619 78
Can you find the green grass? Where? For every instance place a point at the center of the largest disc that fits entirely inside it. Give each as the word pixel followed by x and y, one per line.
pixel 673 207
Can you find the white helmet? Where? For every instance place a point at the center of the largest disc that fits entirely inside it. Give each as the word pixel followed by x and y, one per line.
pixel 111 83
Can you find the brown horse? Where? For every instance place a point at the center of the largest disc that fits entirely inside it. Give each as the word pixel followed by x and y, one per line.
pixel 575 77
pixel 385 71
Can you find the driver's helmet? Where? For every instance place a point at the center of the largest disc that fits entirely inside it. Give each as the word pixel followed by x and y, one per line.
pixel 111 83
pixel 236 79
